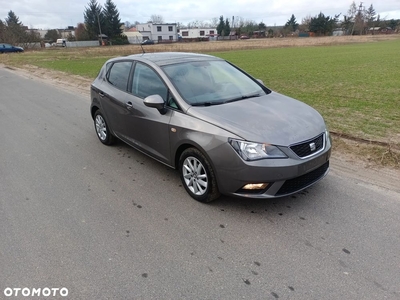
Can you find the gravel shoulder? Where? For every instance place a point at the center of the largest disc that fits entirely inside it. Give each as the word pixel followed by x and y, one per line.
pixel 343 164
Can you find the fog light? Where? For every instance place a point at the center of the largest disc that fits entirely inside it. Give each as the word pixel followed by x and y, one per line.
pixel 255 186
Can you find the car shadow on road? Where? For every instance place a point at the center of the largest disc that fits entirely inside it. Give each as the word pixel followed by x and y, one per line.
pixel 306 201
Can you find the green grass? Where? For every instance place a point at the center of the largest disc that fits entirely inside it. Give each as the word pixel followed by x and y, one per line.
pixel 88 67
pixel 356 87
pixel 70 61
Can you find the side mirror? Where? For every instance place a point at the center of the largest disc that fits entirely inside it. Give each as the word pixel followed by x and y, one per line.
pixel 155 101
pixel 260 81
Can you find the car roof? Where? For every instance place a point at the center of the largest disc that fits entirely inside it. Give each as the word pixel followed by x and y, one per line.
pixel 168 58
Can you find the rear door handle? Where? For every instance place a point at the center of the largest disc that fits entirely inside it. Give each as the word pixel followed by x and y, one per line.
pixel 101 94
pixel 129 105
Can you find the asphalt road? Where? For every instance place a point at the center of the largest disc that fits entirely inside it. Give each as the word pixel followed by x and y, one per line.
pixel 110 223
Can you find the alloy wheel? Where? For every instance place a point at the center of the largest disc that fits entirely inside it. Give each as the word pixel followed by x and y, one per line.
pixel 195 176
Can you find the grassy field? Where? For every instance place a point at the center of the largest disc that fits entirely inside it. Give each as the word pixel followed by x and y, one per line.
pixel 353 83
pixel 355 87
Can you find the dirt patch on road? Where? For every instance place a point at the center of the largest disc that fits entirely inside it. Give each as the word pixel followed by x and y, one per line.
pixel 71 83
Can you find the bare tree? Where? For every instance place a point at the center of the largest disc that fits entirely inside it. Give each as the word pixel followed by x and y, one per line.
pixel 81 34
pixel 352 12
pixel 239 22
pixel 198 24
pixel 129 25
pixel 305 23
pixel 193 24
pixel 214 22
pixel 156 19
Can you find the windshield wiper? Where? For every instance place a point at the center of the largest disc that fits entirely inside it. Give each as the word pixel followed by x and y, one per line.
pixel 243 97
pixel 208 103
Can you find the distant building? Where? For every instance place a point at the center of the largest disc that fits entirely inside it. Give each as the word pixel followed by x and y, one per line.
pixel 193 33
pixel 338 32
pixel 64 33
pixel 166 32
pixel 380 30
pixel 134 36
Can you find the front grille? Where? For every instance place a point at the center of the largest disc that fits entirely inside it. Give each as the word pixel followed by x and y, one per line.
pixel 298 183
pixel 304 149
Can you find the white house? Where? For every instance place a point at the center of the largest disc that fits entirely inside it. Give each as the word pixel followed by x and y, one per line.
pixel 158 32
pixel 192 33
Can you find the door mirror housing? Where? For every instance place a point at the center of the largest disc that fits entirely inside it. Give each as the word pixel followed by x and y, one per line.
pixel 155 101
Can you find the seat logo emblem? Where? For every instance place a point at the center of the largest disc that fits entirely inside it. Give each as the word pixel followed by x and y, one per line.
pixel 312 147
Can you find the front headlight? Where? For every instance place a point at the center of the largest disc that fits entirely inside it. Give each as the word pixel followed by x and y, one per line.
pixel 255 151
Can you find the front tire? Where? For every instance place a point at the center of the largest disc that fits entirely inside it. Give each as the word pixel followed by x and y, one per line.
pixel 197 176
pixel 102 129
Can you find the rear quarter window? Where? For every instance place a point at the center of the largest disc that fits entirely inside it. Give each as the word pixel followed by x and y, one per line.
pixel 118 74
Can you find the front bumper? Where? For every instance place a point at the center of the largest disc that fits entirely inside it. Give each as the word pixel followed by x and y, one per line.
pixel 284 176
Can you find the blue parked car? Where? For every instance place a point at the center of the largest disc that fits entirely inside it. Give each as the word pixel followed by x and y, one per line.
pixel 6 48
pixel 148 42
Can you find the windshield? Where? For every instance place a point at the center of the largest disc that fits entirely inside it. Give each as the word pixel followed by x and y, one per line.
pixel 211 82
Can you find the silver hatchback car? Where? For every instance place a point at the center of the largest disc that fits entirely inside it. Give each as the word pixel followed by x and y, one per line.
pixel 223 130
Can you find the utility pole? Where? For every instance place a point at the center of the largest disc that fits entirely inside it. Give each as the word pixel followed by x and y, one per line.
pixel 98 22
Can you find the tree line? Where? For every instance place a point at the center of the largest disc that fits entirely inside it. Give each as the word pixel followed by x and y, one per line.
pixel 99 23
pixel 102 21
pixel 97 20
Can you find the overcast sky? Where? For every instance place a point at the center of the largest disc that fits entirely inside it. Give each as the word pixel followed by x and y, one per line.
pixel 48 14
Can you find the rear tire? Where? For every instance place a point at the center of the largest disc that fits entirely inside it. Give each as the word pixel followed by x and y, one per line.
pixel 102 129
pixel 197 176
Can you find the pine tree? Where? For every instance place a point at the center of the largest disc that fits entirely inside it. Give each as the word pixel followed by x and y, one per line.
pixel 370 17
pixel 322 25
pixel 13 30
pixel 12 19
pixel 221 26
pixel 94 19
pixel 227 27
pixel 292 24
pixel 112 21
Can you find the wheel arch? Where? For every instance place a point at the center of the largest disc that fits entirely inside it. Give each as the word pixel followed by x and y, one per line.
pixel 187 145
pixel 211 191
pixel 95 106
pixel 93 110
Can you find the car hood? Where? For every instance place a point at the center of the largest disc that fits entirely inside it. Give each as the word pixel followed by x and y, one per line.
pixel 273 118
